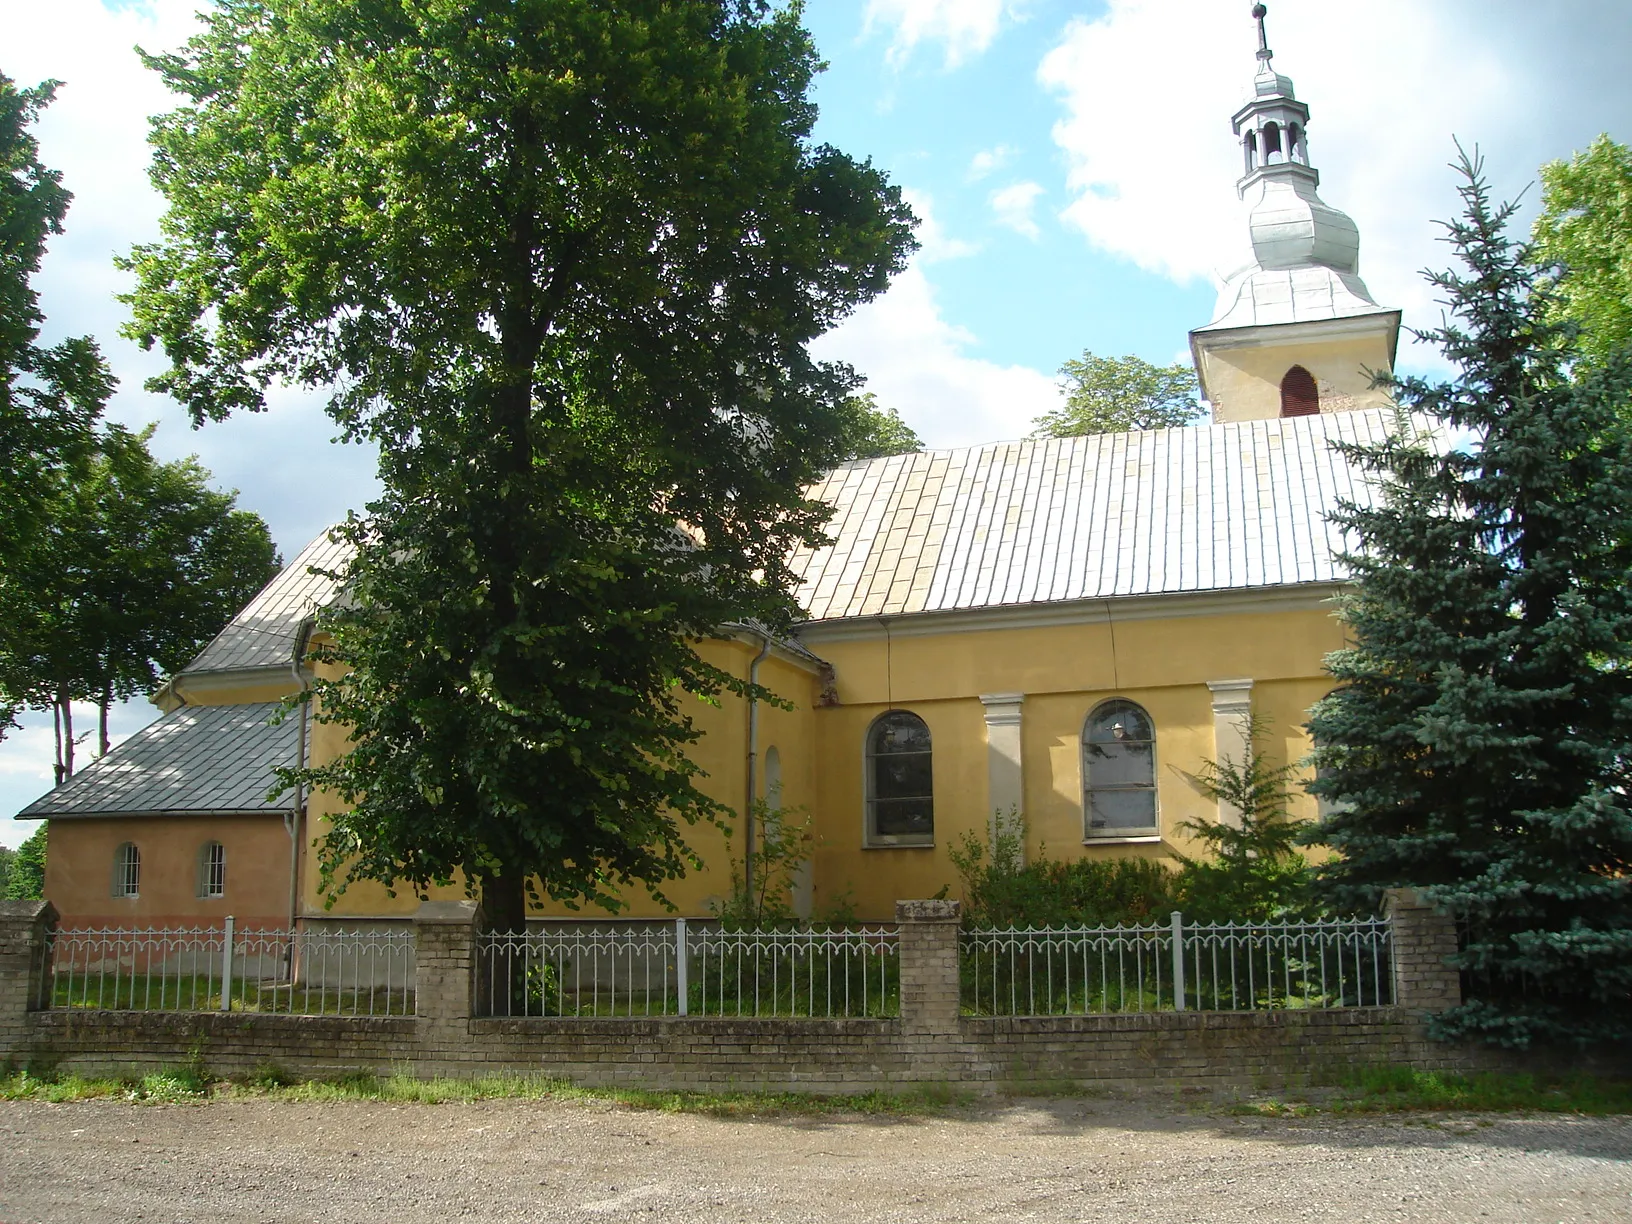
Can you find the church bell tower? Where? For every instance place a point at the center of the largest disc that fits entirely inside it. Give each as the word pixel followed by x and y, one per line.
pixel 1296 329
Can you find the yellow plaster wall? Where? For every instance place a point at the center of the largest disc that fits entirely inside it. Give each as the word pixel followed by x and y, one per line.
pixel 79 870
pixel 721 753
pixel 1065 671
pixel 274 688
pixel 1245 383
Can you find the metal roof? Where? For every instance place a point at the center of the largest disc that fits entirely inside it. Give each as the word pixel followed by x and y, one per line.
pixel 1204 508
pixel 199 760
pixel 1208 507
pixel 264 634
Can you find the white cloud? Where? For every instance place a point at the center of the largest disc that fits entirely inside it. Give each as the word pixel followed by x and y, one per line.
pixel 1013 206
pixel 918 363
pixel 965 27
pixel 95 133
pixel 935 245
pixel 989 160
pixel 1388 82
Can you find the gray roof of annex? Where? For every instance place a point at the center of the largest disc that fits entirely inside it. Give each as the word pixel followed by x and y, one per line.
pixel 196 760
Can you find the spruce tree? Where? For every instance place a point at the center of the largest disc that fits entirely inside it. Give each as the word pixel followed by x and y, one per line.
pixel 1479 740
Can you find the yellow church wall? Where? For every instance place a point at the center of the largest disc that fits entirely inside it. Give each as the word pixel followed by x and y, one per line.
pixel 1245 383
pixel 244 688
pixel 79 865
pixel 720 753
pixel 1065 671
pixel 1148 652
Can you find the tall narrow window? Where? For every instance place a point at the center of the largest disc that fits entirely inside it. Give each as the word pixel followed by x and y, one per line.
pixel 900 785
pixel 127 870
pixel 1119 771
pixel 212 870
pixel 1299 395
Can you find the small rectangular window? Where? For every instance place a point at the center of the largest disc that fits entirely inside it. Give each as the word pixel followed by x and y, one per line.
pixel 212 870
pixel 127 870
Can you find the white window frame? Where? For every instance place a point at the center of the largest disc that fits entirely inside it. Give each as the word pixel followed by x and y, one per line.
pixel 1132 833
pixel 871 837
pixel 127 870
pixel 212 871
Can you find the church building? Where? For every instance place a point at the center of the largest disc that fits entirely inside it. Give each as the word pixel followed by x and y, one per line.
pixel 1060 630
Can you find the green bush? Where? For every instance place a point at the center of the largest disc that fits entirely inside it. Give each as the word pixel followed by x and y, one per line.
pixel 1048 892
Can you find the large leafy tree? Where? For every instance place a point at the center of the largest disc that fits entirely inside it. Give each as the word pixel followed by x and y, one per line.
pixel 871 432
pixel 132 566
pixel 1478 744
pixel 561 261
pixel 50 395
pixel 1118 394
pixel 25 879
pixel 1584 238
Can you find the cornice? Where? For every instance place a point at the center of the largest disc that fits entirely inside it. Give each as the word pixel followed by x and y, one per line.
pixel 1297 597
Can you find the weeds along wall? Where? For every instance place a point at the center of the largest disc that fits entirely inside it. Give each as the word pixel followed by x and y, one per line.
pixel 929 1043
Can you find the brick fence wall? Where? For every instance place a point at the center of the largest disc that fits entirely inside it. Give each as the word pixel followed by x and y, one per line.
pixel 929 1044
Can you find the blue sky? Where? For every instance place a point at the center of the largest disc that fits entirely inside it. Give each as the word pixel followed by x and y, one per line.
pixel 1071 160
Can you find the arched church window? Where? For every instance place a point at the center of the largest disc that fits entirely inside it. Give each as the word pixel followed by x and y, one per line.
pixel 900 781
pixel 1299 395
pixel 1294 144
pixel 1249 148
pixel 1119 771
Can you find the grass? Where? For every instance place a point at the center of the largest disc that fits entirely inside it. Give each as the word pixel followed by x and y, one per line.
pixel 202 992
pixel 175 1086
pixel 1372 1091
pixel 1404 1090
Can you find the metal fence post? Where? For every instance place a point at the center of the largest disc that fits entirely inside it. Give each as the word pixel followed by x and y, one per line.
pixel 680 976
pixel 226 968
pixel 1178 961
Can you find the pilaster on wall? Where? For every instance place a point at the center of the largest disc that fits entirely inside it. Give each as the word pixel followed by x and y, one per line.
pixel 1424 938
pixel 1005 793
pixel 445 986
pixel 25 986
pixel 929 965
pixel 1232 727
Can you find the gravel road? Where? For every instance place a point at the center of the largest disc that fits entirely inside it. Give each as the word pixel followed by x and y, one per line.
pixel 1056 1160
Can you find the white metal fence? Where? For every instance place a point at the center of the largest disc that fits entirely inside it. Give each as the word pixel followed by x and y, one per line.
pixel 1174 967
pixel 686 968
pixel 313 972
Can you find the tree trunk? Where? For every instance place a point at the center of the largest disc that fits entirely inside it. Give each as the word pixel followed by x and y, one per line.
pixel 65 767
pixel 56 726
pixel 508 986
pixel 102 722
pixel 504 902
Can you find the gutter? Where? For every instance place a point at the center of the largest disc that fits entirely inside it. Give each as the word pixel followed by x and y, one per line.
pixel 297 810
pixel 753 768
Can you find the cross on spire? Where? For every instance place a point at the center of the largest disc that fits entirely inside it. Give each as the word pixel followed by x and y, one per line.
pixel 1259 11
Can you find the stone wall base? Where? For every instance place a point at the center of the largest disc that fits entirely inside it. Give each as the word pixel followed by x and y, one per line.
pixel 1247 1051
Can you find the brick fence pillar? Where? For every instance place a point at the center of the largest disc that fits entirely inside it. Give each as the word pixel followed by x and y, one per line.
pixel 445 993
pixel 929 965
pixel 1424 943
pixel 25 931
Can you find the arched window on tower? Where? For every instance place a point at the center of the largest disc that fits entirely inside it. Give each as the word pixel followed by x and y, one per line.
pixel 1299 395
pixel 1294 144
pixel 1249 150
pixel 1272 141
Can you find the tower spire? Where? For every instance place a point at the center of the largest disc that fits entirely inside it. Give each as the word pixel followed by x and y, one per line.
pixel 1300 303
pixel 1259 12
